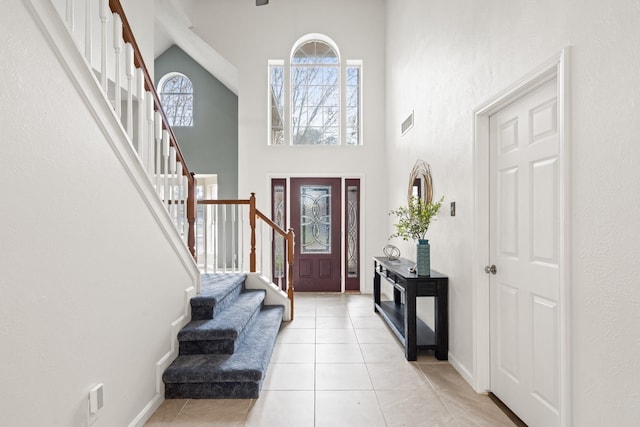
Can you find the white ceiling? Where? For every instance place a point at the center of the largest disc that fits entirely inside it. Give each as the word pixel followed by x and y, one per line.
pixel 173 26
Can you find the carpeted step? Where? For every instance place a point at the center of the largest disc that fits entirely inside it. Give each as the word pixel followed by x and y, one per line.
pixel 217 291
pixel 224 333
pixel 224 376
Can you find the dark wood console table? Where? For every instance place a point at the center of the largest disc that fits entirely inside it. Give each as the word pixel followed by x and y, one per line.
pixel 400 315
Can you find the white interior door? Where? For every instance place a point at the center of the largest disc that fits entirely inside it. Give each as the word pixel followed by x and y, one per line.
pixel 524 247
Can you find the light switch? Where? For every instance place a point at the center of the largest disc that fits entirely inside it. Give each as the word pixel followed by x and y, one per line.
pixel 96 398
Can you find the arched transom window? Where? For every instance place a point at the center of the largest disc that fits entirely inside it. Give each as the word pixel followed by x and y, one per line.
pixel 315 83
pixel 176 96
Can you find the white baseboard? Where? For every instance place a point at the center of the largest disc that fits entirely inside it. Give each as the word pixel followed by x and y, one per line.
pixel 463 371
pixel 165 361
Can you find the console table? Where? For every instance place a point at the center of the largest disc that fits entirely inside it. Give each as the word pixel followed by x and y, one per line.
pixel 400 315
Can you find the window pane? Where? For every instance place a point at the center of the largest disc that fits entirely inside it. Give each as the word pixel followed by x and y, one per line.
pixel 352 231
pixel 330 76
pixel 315 52
pixel 315 94
pixel 176 96
pixel 276 99
pixel 353 105
pixel 279 248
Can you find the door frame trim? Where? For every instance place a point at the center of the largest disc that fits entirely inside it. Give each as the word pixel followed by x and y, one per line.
pixel 557 67
pixel 362 214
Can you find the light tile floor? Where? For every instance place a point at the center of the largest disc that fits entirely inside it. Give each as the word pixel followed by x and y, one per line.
pixel 337 364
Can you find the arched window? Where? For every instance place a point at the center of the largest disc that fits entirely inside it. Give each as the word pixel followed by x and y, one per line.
pixel 317 111
pixel 315 94
pixel 176 96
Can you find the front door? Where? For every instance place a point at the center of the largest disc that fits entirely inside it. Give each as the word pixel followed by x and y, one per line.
pixel 524 246
pixel 316 220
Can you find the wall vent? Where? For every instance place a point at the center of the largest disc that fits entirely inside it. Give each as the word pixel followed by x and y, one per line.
pixel 407 124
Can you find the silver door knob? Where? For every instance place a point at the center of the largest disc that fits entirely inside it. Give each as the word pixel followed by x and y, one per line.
pixel 490 269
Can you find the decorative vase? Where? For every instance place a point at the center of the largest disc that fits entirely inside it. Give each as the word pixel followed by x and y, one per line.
pixel 423 258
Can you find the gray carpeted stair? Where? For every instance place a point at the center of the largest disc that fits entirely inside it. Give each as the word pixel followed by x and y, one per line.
pixel 226 348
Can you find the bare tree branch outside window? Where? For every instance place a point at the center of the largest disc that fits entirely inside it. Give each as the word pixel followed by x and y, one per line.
pixel 277 104
pixel 315 95
pixel 312 98
pixel 176 95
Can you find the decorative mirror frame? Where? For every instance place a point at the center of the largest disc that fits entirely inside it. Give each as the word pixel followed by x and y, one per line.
pixel 421 177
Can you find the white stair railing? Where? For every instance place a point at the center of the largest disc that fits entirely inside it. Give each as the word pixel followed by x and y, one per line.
pixel 153 141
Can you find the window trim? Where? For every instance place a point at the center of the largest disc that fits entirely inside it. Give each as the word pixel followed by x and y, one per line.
pixel 343 65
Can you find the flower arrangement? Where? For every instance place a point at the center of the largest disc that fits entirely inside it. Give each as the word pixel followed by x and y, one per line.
pixel 414 219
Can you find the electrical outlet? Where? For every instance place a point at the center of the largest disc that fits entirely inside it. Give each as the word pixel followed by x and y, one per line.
pixel 453 209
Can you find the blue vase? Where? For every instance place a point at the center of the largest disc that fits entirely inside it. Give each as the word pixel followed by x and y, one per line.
pixel 423 258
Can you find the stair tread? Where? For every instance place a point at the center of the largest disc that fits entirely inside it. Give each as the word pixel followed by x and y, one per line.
pixel 230 324
pixel 248 364
pixel 216 287
pixel 217 292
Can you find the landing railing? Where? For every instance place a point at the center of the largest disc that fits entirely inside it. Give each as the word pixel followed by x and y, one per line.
pixel 104 37
pixel 228 229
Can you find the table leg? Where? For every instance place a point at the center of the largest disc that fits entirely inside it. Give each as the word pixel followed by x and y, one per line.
pixel 376 291
pixel 442 322
pixel 410 331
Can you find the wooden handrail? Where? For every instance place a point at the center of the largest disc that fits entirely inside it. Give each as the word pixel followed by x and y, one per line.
pixel 224 202
pixel 271 224
pixel 127 35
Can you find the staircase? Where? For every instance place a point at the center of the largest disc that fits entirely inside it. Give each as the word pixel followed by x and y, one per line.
pixel 225 349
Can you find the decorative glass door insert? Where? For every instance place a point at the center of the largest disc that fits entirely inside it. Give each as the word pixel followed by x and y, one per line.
pixel 315 219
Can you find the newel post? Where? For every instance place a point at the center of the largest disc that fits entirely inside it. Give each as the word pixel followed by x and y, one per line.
pixel 191 216
pixel 252 224
pixel 290 250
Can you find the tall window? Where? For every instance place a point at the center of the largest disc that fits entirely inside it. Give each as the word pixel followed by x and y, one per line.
pixel 276 101
pixel 318 100
pixel 176 96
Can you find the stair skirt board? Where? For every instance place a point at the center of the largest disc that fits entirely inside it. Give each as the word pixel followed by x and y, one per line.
pixel 227 356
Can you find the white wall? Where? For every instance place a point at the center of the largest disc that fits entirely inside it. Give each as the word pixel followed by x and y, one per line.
pixel 444 59
pixel 89 284
pixel 140 15
pixel 248 36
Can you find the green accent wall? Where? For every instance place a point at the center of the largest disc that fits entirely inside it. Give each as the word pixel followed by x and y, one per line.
pixel 211 145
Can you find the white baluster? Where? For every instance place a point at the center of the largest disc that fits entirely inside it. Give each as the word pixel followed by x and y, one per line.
pixel 140 93
pixel 214 241
pixel 165 156
pixel 129 69
pixel 70 18
pixel 117 47
pixel 149 140
pixel 179 199
pixel 262 233
pixel 185 219
pixel 205 240
pixel 224 238
pixel 242 249
pixel 105 14
pixel 87 31
pixel 172 183
pixel 234 212
pixel 158 149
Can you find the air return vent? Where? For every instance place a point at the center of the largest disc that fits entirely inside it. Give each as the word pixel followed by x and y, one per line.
pixel 407 124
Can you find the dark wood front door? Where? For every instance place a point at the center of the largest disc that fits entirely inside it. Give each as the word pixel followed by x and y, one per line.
pixel 316 219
